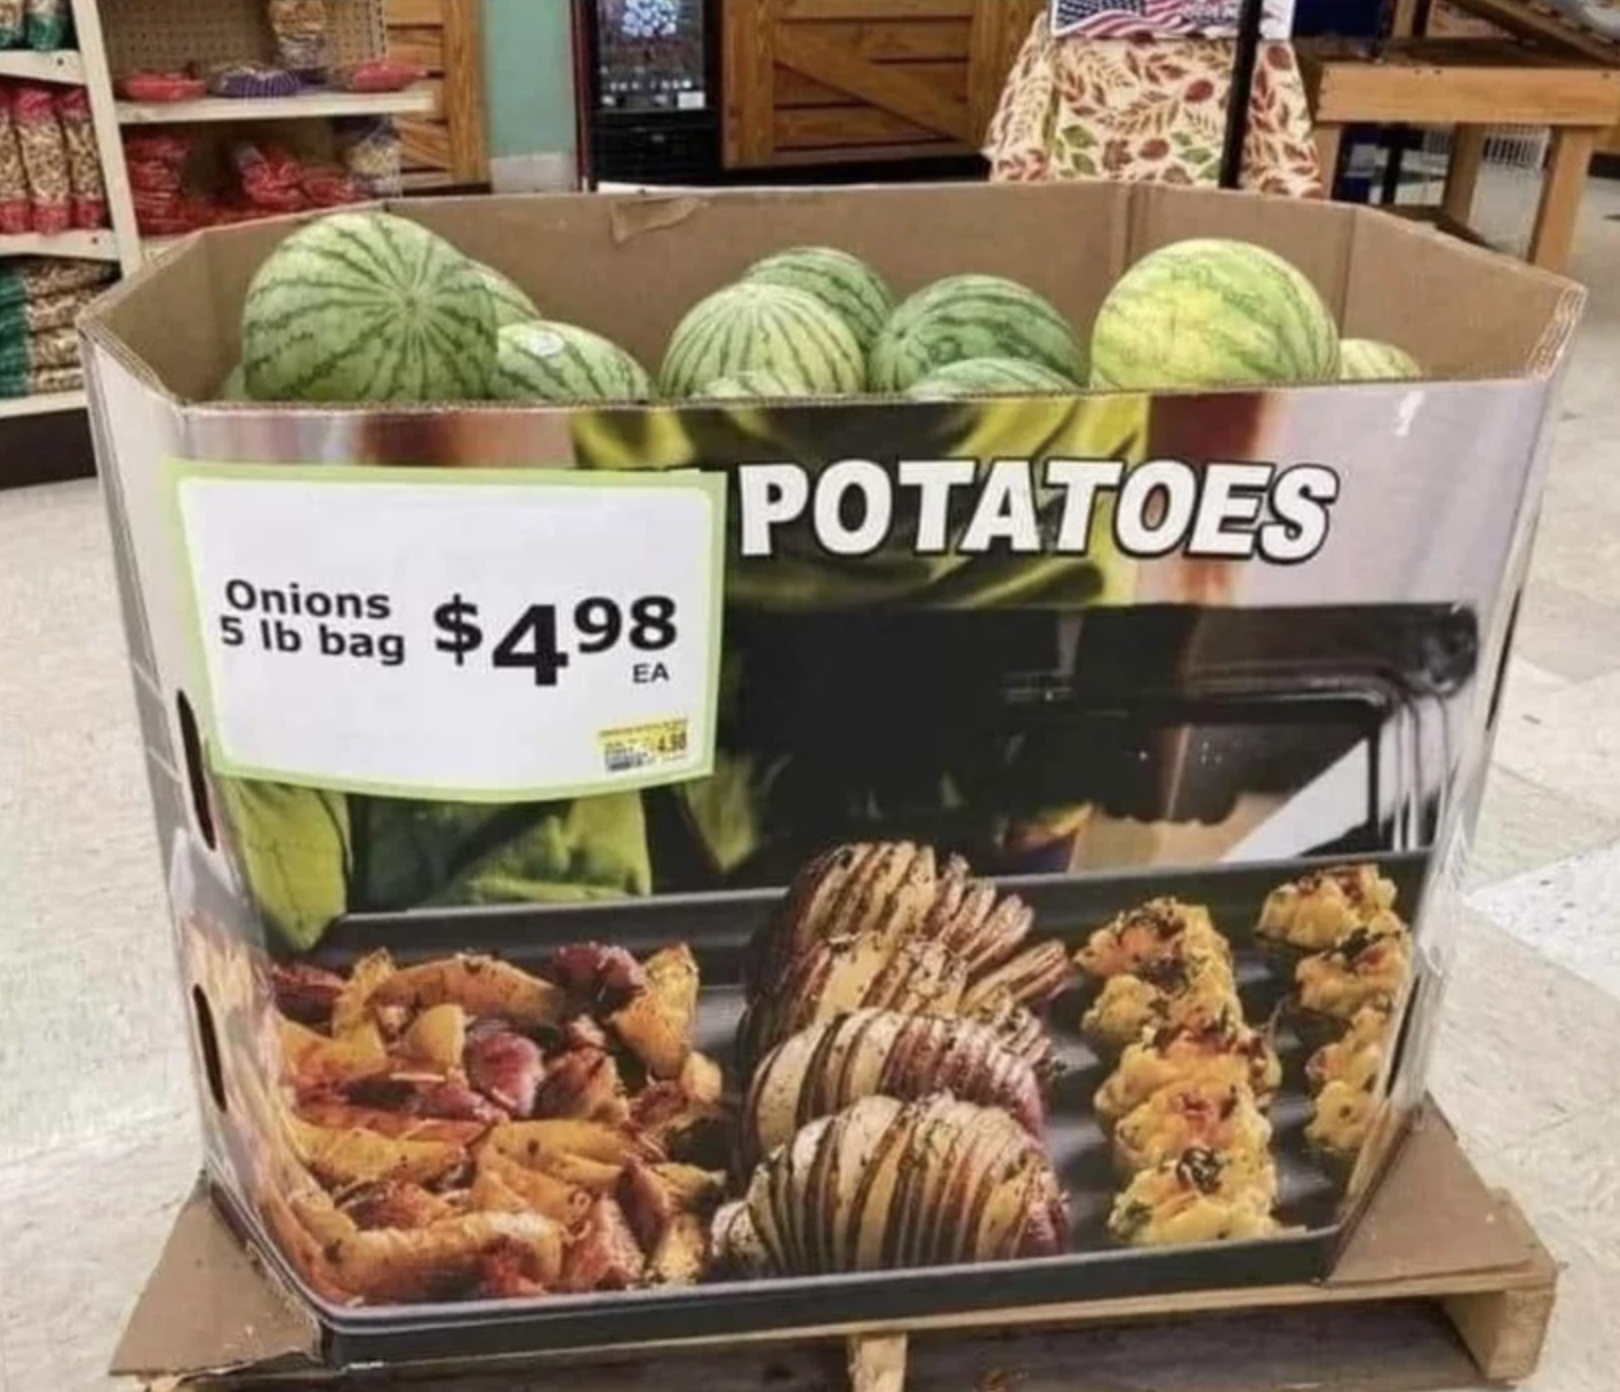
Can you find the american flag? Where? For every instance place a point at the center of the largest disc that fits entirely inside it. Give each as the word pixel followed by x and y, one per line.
pixel 1123 19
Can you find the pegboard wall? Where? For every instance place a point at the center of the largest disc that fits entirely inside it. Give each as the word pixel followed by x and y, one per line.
pixel 165 35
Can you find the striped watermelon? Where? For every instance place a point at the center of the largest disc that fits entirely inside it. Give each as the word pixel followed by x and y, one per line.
pixel 1212 313
pixel 990 377
pixel 1371 360
pixel 558 362
pixel 750 327
pixel 512 306
pixel 972 316
pixel 844 283
pixel 367 306
pixel 751 385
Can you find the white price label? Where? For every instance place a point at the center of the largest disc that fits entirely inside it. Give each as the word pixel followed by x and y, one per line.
pixel 470 635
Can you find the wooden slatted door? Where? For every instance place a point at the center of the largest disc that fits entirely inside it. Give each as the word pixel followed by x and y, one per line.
pixel 446 38
pixel 823 81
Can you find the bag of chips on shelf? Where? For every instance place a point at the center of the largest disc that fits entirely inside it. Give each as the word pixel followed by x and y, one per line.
pixel 373 153
pixel 327 186
pixel 250 81
pixel 13 23
pixel 271 176
pixel 376 75
pixel 84 160
pixel 46 24
pixel 43 277
pixel 302 35
pixel 44 157
pixel 16 212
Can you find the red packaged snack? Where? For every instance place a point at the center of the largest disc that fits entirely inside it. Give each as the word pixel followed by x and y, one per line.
pixel 271 177
pixel 160 87
pixel 89 191
pixel 376 75
pixel 159 146
pixel 327 186
pixel 44 157
pixel 16 212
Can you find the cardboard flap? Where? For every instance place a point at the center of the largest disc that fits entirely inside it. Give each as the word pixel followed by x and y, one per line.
pixel 210 1308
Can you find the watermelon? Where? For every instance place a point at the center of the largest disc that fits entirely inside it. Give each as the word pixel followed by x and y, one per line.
pixel 1212 313
pixel 367 306
pixel 1370 360
pixel 512 306
pixel 750 327
pixel 751 385
pixel 972 316
pixel 844 283
pixel 559 362
pixel 990 377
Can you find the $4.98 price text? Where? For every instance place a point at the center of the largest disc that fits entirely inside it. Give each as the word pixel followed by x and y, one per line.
pixel 543 640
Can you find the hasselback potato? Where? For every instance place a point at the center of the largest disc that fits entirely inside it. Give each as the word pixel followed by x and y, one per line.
pixel 883 926
pixel 887 1184
pixel 868 1053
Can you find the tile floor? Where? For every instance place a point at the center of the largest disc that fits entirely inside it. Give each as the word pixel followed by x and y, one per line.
pixel 97 1149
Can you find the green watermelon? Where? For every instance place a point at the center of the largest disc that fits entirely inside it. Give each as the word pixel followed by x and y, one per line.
pixel 367 306
pixel 749 327
pixel 990 377
pixel 844 283
pixel 972 316
pixel 750 385
pixel 559 362
pixel 512 306
pixel 1212 313
pixel 1370 360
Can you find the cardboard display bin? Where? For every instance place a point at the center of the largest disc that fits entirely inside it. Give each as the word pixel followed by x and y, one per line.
pixel 522 1002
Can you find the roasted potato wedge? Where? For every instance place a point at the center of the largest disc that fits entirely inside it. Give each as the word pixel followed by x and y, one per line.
pixel 353 1006
pixel 438 1037
pixel 485 987
pixel 394 1264
pixel 656 1025
pixel 344 1158
pixel 314 1060
pixel 536 1189
pixel 681 1257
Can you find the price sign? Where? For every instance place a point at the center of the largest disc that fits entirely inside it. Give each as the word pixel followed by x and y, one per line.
pixel 477 635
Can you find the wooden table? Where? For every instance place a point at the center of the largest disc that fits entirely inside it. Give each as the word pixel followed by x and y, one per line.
pixel 1470 85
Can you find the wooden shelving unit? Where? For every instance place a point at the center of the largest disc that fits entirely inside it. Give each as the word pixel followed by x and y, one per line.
pixel 124 35
pixel 417 101
pixel 84 67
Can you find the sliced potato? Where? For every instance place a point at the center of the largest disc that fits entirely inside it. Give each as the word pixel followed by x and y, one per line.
pixel 310 1059
pixel 681 1257
pixel 537 1190
pixel 534 1141
pixel 393 1265
pixel 656 1025
pixel 353 1006
pixel 486 987
pixel 342 1158
pixel 438 1036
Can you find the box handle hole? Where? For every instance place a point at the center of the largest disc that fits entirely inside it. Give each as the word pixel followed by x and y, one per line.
pixel 191 741
pixel 208 1040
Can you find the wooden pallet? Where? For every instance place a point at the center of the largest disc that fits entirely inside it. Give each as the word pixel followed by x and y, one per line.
pixel 1444 1284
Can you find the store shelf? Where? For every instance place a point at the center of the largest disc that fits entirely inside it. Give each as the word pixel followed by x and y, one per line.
pixel 415 101
pixel 62 66
pixel 87 246
pixel 12 408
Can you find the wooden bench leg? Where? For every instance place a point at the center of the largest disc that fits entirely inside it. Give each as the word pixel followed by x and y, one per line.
pixel 1328 140
pixel 1462 173
pixel 1561 197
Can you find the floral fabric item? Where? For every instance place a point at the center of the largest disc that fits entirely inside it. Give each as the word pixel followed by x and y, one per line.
pixel 1149 110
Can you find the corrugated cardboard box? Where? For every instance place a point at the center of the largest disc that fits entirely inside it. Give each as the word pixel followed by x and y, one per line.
pixel 1244 638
